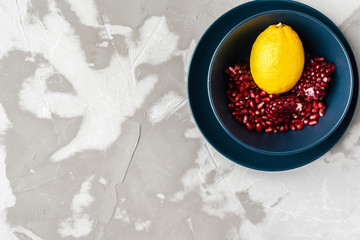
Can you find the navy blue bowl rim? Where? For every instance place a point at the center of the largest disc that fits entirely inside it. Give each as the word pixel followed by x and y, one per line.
pixel 292 161
pixel 295 150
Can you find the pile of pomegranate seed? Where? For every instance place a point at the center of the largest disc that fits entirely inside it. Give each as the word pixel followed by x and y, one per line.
pixel 292 110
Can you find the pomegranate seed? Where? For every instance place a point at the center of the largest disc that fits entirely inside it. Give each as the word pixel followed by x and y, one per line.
pixel 314 110
pixel 252 94
pixel 315 104
pixel 269 129
pixel 333 68
pixel 238 118
pixel 321 112
pixel 262 93
pixel 299 126
pixel 249 126
pixel 319 59
pixel 258 127
pixel 251 104
pixel 272 95
pixel 260 105
pixel 245 119
pixel 321 105
pixel 232 70
pixel 312 122
pixel 314 116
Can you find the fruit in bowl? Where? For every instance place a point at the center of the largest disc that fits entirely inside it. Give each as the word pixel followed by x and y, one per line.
pixel 277 59
pixel 275 94
pixel 317 115
pixel 300 106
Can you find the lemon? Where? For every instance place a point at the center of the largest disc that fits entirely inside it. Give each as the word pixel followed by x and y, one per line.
pixel 277 59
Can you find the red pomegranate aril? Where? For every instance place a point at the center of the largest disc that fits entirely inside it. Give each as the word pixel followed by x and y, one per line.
pixel 249 126
pixel 269 129
pixel 245 119
pixel 260 105
pixel 297 121
pixel 265 99
pixel 251 104
pixel 262 94
pixel 321 112
pixel 258 120
pixel 299 125
pixel 252 94
pixel 238 118
pixel 314 116
pixel 272 96
pixel 319 59
pixel 258 127
pixel 314 110
pixel 313 122
pixel 321 105
pixel 232 70
pixel 333 68
pixel 239 103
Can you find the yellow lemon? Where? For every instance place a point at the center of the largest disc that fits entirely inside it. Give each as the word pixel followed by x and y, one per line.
pixel 277 59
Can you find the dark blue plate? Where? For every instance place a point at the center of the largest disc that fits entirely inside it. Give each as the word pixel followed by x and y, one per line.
pixel 318 40
pixel 201 107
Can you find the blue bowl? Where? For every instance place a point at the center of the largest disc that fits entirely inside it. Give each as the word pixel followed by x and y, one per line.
pixel 318 40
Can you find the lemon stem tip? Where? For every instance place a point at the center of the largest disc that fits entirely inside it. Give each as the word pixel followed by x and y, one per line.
pixel 279 25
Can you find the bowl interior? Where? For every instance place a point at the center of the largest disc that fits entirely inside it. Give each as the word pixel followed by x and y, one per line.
pixel 318 40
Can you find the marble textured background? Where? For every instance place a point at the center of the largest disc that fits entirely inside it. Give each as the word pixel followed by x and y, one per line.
pixel 98 142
